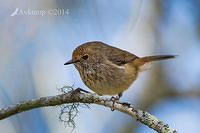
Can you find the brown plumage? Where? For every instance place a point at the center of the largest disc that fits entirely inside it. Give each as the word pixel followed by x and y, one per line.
pixel 109 70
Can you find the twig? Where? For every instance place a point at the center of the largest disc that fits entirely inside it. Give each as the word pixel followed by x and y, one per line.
pixel 142 116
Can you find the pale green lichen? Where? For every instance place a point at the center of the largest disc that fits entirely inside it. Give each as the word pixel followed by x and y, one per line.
pixel 69 111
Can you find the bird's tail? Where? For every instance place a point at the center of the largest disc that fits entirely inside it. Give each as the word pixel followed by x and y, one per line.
pixel 144 62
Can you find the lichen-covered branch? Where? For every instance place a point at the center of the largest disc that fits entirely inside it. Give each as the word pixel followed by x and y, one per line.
pixel 142 116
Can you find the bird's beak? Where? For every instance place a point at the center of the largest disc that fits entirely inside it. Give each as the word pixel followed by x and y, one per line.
pixel 71 62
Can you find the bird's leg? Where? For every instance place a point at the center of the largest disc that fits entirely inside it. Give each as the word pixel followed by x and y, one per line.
pixel 119 95
pixel 78 90
pixel 114 99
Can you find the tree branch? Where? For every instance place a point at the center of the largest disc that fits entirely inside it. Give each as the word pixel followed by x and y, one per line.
pixel 142 116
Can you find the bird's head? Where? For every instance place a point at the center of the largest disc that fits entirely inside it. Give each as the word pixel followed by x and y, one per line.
pixel 86 55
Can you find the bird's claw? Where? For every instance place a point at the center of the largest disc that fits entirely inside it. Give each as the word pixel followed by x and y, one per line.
pixel 78 90
pixel 126 104
pixel 114 99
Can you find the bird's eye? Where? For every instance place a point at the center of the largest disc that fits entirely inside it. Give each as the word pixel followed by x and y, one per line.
pixel 85 57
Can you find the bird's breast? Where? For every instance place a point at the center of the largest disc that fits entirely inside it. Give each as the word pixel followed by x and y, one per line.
pixel 108 79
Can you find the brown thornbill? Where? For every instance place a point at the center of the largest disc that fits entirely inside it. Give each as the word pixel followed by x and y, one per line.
pixel 108 70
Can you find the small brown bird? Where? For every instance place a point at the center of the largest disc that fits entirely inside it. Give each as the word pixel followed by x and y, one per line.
pixel 108 70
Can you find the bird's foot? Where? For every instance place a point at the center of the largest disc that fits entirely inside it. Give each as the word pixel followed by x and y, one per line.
pixel 128 104
pixel 114 99
pixel 78 90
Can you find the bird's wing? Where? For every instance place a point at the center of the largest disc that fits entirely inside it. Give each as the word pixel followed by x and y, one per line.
pixel 118 56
